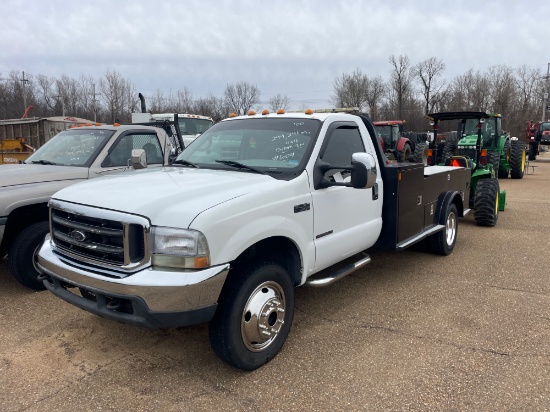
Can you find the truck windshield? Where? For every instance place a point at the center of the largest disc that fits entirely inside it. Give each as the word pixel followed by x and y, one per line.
pixel 545 126
pixel 273 143
pixel 71 147
pixel 193 125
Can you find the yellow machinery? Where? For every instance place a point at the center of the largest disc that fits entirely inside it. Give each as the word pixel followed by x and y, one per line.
pixel 14 150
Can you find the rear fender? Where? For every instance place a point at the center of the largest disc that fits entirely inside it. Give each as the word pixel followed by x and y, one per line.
pixel 401 144
pixel 443 201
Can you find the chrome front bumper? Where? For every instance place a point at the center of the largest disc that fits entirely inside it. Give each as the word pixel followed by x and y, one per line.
pixel 150 298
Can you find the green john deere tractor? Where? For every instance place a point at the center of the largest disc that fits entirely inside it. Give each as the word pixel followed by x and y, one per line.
pixel 486 198
pixel 506 155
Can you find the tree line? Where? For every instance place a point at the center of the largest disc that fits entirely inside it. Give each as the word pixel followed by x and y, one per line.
pixel 412 90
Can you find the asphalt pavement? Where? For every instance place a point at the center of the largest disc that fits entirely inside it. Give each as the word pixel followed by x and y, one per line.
pixel 410 332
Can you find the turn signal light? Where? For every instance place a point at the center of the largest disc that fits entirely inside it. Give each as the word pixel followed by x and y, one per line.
pixel 483 158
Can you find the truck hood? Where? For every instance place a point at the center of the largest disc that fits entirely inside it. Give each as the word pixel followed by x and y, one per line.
pixel 169 196
pixel 21 174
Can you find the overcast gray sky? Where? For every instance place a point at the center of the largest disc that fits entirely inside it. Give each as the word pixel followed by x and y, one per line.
pixel 296 48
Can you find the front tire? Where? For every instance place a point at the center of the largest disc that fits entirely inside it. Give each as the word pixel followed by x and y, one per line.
pixel 443 242
pixel 405 154
pixel 486 202
pixel 517 160
pixel 494 159
pixel 533 148
pixel 420 154
pixel 23 253
pixel 254 316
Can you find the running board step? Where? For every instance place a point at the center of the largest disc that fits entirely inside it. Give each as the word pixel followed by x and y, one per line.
pixel 339 274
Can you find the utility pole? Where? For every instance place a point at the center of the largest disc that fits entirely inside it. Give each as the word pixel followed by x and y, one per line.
pixel 545 98
pixel 23 82
pixel 93 102
pixel 62 104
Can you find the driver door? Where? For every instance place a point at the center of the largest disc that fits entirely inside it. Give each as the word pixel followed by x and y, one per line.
pixel 346 220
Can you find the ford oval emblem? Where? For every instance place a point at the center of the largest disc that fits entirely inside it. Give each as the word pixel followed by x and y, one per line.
pixel 78 235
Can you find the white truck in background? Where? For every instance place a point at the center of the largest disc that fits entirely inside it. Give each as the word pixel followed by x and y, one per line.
pixel 187 126
pixel 256 206
pixel 73 155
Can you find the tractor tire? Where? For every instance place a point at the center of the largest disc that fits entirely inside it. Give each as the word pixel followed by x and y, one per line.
pixel 502 171
pixel 486 202
pixel 420 154
pixel 22 255
pixel 517 160
pixel 254 315
pixel 440 148
pixel 493 158
pixel 449 150
pixel 405 154
pixel 443 242
pixel 533 151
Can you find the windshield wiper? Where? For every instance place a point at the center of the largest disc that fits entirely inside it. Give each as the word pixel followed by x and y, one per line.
pixel 185 162
pixel 44 162
pixel 240 166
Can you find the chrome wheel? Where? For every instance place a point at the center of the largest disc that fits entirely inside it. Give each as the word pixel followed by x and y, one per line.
pixel 450 229
pixel 263 316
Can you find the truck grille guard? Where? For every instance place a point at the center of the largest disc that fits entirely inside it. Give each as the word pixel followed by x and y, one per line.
pixel 97 237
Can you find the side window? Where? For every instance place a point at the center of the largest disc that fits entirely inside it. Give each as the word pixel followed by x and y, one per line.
pixel 343 142
pixel 122 152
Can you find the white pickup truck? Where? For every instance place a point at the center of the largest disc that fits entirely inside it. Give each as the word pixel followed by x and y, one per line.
pixel 256 206
pixel 71 156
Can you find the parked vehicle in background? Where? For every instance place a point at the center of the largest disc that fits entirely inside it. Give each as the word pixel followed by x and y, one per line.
pixel 485 198
pixel 14 150
pixel 399 145
pixel 71 156
pixel 537 134
pixel 256 206
pixel 185 127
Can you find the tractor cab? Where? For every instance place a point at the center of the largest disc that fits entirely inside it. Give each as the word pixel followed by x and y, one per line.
pixel 394 145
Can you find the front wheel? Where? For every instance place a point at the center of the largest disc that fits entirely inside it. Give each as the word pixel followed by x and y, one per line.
pixel 533 148
pixel 443 242
pixel 23 253
pixel 405 154
pixel 486 202
pixel 517 160
pixel 420 154
pixel 254 316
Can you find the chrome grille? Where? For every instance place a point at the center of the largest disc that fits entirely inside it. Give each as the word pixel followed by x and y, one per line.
pixel 97 239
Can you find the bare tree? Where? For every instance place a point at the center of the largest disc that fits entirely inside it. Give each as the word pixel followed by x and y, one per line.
pixel 211 106
pixel 184 101
pixel 240 97
pixel 375 93
pixel 44 87
pixel 401 82
pixel 351 90
pixel 117 94
pixel 279 101
pixel 428 72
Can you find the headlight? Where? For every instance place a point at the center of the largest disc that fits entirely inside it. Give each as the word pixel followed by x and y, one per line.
pixel 179 248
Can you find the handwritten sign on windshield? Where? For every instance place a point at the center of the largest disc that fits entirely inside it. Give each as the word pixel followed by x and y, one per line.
pixel 291 145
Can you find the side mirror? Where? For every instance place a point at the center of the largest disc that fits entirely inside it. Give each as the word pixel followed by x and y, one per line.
pixel 139 159
pixel 363 171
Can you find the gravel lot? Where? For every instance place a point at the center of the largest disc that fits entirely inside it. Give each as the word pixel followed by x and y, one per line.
pixel 410 332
